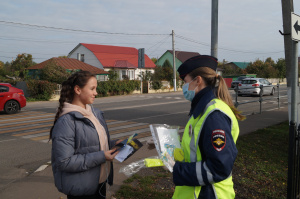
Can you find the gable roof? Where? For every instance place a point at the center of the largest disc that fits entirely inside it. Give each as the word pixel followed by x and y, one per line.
pixel 117 56
pixel 70 64
pixel 183 55
pixel 241 65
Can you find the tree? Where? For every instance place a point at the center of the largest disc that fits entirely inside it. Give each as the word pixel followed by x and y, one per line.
pixel 167 64
pixel 229 70
pixel 146 76
pixel 54 73
pixel 154 59
pixel 164 73
pixel 265 69
pixel 21 63
pixel 2 72
pixel 281 68
pixel 113 75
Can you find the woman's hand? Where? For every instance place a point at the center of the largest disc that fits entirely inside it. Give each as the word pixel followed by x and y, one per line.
pixel 110 155
pixel 118 141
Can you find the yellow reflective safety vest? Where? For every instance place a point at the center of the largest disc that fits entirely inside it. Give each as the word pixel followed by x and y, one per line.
pixel 189 144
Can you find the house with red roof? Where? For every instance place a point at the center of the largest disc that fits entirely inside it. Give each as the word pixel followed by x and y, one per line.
pixel 124 60
pixel 70 65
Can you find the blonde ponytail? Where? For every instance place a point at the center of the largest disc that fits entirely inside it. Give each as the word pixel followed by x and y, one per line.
pixel 220 88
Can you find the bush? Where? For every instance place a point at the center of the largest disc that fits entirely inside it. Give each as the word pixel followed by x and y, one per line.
pixel 156 85
pixel 117 87
pixel 53 73
pixel 41 90
pixel 6 80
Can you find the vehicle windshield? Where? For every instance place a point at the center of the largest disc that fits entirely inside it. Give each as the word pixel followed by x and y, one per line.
pixel 249 81
pixel 241 78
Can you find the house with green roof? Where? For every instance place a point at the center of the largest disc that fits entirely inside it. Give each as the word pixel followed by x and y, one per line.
pixel 180 56
pixel 235 65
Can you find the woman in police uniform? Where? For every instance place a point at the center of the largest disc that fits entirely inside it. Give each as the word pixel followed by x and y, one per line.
pixel 210 135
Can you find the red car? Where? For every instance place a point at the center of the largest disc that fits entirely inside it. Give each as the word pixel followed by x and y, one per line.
pixel 11 99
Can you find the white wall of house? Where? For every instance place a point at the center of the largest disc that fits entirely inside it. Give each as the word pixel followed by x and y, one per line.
pixel 89 57
pixel 133 74
pixel 139 70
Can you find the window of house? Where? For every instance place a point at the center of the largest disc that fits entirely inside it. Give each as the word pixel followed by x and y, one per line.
pixel 82 57
pixel 130 74
pixel 124 74
pixel 101 77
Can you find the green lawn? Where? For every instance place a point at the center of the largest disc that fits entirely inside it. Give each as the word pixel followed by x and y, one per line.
pixel 260 169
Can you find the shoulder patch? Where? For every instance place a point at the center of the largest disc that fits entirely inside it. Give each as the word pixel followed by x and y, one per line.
pixel 218 139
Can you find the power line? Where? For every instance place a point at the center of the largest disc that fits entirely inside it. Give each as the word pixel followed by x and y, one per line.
pixel 222 48
pixel 161 42
pixel 75 30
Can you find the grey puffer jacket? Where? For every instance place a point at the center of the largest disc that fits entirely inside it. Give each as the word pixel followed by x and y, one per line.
pixel 76 156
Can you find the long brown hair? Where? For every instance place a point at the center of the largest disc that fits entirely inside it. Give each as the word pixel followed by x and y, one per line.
pixel 80 79
pixel 220 88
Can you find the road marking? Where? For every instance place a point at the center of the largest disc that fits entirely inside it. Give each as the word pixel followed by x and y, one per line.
pixel 21 115
pixel 43 167
pixel 28 123
pixel 31 132
pixel 18 121
pixel 139 106
pixel 26 128
pixel 159 115
pixel 37 128
pixel 7 140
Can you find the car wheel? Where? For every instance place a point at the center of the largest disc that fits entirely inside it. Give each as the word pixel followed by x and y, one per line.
pixel 273 91
pixel 11 107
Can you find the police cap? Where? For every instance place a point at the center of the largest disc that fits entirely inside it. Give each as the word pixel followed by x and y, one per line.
pixel 196 62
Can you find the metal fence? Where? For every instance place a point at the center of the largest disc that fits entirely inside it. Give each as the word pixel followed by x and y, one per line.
pixel 260 99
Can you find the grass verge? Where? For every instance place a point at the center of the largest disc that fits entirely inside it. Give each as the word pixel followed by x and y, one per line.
pixel 260 169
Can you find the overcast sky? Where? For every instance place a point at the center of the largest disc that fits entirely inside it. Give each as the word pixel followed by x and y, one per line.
pixel 248 29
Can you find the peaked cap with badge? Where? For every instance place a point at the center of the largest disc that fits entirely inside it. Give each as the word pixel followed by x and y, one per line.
pixel 196 62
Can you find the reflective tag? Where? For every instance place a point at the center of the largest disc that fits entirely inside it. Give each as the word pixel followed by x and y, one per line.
pixel 191 130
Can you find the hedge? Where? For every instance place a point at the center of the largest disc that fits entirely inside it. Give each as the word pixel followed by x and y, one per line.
pixel 109 88
pixel 40 89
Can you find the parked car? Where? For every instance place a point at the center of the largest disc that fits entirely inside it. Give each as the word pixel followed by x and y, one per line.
pixel 236 82
pixel 11 99
pixel 251 86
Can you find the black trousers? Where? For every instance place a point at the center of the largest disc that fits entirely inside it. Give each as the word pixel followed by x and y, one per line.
pixel 100 194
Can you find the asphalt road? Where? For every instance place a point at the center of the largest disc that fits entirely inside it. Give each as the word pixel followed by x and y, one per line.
pixel 24 142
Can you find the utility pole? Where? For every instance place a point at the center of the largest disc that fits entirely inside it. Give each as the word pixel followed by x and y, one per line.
pixel 174 63
pixel 214 28
pixel 141 64
pixel 287 8
pixel 291 59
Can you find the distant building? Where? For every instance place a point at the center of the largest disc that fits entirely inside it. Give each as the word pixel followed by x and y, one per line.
pixel 236 65
pixel 124 60
pixel 71 65
pixel 180 57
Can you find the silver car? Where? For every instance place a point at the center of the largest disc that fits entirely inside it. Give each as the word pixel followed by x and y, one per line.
pixel 251 86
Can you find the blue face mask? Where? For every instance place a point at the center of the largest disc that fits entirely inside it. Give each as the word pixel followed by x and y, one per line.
pixel 189 95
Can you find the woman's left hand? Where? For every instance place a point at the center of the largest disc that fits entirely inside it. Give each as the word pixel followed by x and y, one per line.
pixel 110 155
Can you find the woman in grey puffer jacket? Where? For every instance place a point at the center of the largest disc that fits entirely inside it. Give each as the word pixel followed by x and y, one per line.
pixel 81 146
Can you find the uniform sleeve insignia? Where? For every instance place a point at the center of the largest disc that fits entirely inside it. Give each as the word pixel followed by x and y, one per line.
pixel 218 139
